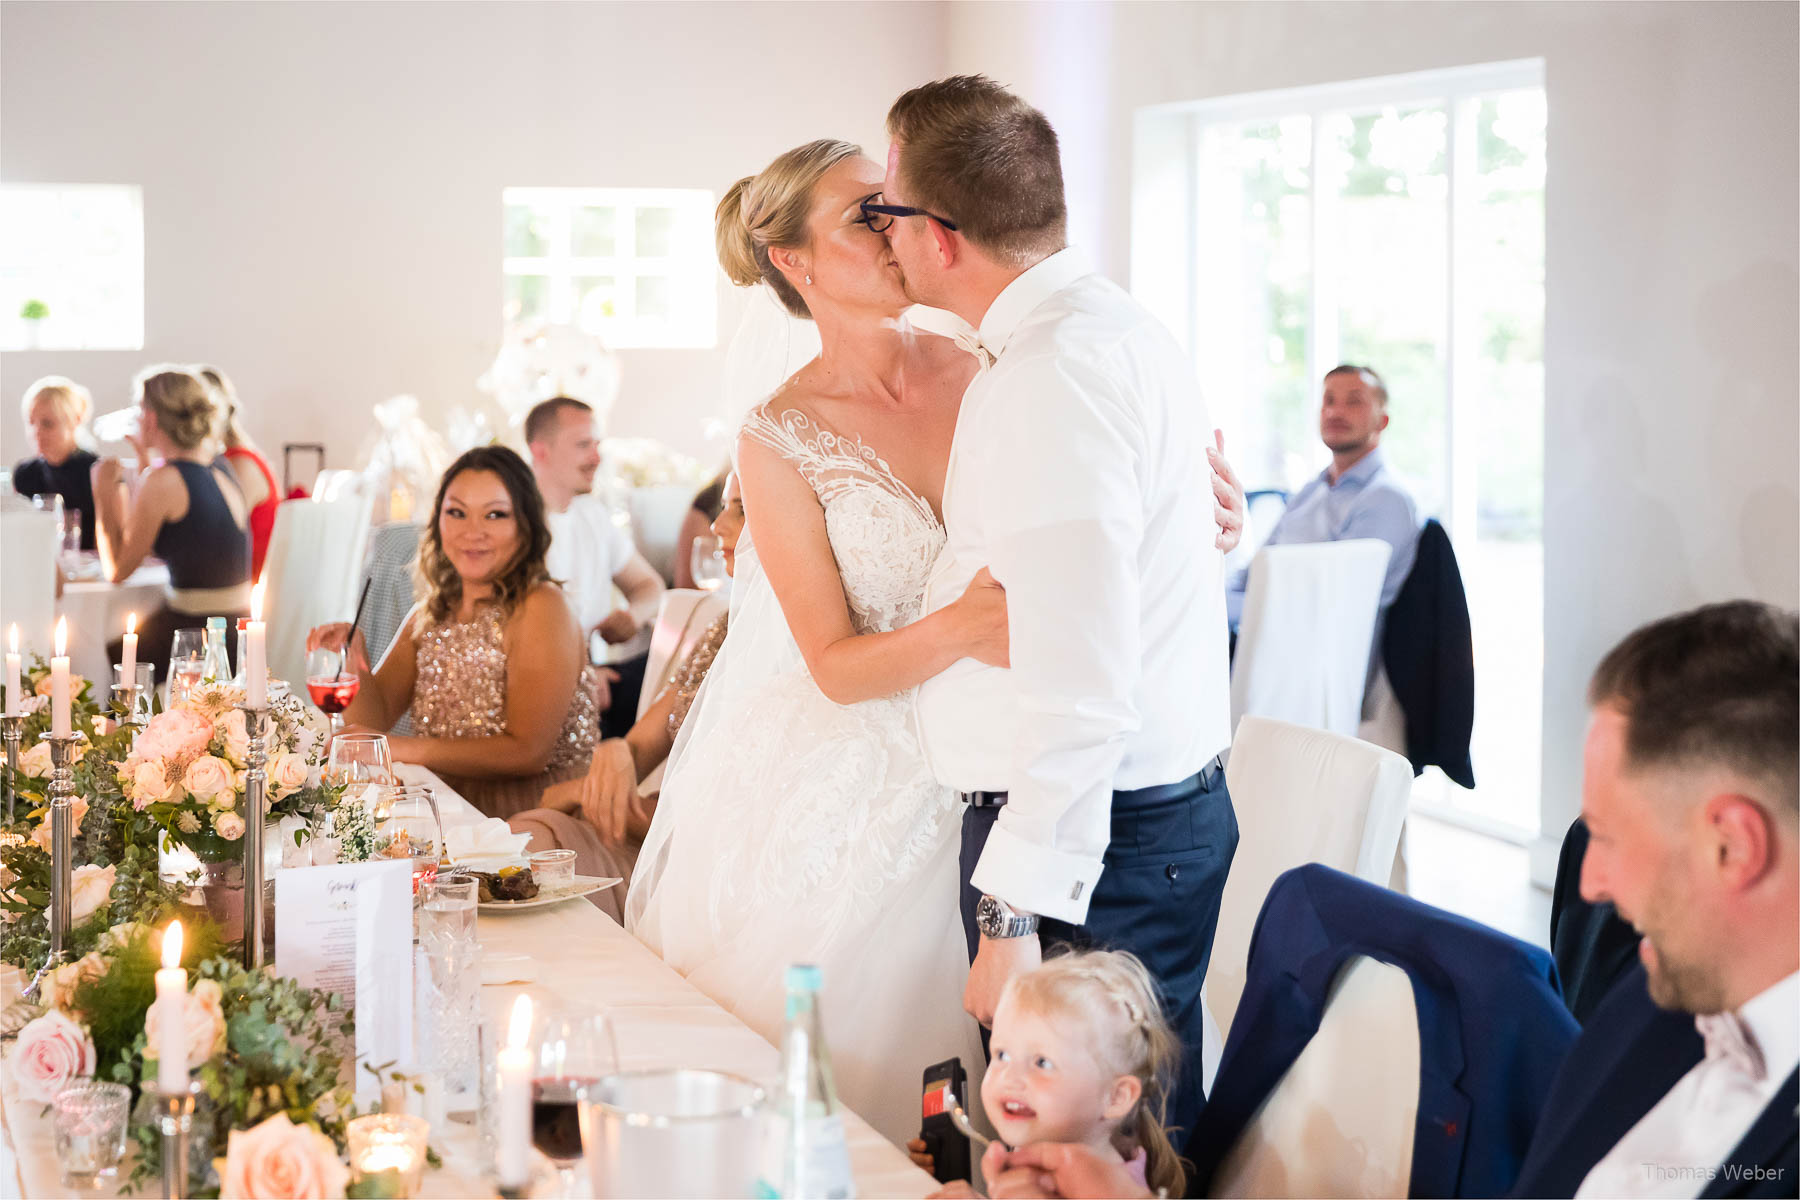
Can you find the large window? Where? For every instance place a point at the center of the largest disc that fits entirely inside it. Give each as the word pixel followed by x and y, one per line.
pixel 1397 223
pixel 632 265
pixel 71 267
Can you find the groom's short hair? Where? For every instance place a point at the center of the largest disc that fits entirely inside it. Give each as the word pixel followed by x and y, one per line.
pixel 973 152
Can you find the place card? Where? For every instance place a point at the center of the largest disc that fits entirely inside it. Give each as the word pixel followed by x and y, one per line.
pixel 348 929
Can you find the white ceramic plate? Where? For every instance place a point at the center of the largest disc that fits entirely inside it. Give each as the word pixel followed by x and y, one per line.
pixel 584 885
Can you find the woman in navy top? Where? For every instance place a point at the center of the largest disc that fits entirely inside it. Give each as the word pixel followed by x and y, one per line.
pixel 55 410
pixel 188 510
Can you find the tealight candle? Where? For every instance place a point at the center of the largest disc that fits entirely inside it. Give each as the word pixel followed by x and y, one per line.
pixel 514 1063
pixel 14 698
pixel 59 681
pixel 256 669
pixel 171 1017
pixel 128 668
pixel 388 1149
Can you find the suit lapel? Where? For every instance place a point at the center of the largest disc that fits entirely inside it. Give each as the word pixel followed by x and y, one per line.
pixel 1770 1139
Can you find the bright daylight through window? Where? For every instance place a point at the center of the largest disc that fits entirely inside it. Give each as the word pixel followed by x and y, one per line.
pixel 1397 223
pixel 71 267
pixel 631 265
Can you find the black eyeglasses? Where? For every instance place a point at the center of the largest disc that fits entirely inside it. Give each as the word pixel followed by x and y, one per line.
pixel 880 217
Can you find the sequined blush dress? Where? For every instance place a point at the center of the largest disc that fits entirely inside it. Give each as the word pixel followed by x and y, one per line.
pixel 459 691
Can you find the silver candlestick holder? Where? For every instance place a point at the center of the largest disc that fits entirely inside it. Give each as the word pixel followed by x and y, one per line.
pixel 62 838
pixel 12 730
pixel 256 815
pixel 175 1119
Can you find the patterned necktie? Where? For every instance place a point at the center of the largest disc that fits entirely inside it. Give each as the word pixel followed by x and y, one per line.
pixel 1729 1040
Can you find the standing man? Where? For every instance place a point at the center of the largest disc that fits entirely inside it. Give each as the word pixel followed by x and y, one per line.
pixel 590 553
pixel 1097 810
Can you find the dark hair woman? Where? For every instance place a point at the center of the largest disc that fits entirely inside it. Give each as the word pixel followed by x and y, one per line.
pixel 490 663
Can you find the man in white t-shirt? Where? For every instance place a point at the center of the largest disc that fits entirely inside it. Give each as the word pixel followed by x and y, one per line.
pixel 591 553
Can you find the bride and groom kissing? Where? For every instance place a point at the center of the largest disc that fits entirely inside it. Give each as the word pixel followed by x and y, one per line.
pixel 975 687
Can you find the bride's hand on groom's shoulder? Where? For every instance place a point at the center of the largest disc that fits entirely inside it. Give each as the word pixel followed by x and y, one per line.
pixel 983 604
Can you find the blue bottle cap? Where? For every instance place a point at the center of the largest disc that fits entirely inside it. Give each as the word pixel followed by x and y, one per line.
pixel 804 977
pixel 215 623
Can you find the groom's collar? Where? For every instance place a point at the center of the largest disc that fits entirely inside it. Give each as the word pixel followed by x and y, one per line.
pixel 1036 285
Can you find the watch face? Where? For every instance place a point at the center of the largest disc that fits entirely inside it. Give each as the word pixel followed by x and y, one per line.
pixel 987 913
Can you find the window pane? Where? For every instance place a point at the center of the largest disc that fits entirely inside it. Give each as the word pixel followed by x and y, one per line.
pixel 1254 242
pixel 653 296
pixel 1387 180
pixel 597 300
pixel 594 232
pixel 655 232
pixel 527 298
pixel 71 267
pixel 527 231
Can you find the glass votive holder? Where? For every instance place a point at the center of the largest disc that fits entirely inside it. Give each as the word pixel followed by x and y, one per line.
pixel 387 1153
pixel 133 695
pixel 553 869
pixel 90 1131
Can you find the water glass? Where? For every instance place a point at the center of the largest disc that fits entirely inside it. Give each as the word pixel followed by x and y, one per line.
pixel 447 1000
pixel 187 663
pixel 360 758
pixel 90 1130
pixel 134 692
pixel 412 822
pixel 707 560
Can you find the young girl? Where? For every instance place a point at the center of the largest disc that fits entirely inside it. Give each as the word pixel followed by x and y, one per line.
pixel 1081 1052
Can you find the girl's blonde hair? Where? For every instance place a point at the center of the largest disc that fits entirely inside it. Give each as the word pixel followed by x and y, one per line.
pixel 71 401
pixel 1116 996
pixel 770 209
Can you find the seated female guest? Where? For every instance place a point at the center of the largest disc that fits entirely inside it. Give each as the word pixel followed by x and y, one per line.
pixel 55 410
pixel 187 509
pixel 700 516
pixel 601 816
pixel 255 480
pixel 490 665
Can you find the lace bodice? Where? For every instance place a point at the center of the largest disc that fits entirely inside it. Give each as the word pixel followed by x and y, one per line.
pixel 884 536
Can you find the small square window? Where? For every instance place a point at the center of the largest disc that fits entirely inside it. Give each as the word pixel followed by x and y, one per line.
pixel 71 267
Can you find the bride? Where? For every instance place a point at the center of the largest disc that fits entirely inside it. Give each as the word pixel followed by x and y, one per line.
pixel 799 821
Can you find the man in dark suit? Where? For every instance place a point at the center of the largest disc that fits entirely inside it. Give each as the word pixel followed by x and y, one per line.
pixel 1683 1081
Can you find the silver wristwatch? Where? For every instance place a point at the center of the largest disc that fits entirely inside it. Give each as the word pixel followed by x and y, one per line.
pixel 998 919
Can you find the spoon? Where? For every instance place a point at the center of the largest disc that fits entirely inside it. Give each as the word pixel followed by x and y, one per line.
pixel 966 1127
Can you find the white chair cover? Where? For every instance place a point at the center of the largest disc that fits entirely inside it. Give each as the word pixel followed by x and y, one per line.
pixel 1341 1121
pixel 657 512
pixel 311 574
pixel 28 591
pixel 1301 796
pixel 1307 629
pixel 1262 513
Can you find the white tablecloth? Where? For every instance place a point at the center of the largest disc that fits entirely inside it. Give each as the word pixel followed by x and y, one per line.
pixel 96 613
pixel 580 958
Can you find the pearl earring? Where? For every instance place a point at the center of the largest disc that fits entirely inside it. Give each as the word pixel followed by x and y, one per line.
pixel 809 281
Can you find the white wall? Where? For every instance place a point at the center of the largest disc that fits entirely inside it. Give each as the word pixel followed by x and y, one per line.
pixel 322 181
pixel 1672 310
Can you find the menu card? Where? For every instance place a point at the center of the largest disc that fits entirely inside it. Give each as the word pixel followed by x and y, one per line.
pixel 348 929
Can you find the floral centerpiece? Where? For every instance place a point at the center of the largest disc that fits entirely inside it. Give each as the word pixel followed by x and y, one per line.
pixel 186 770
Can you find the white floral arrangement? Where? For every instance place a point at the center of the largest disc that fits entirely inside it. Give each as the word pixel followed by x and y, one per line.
pixel 646 462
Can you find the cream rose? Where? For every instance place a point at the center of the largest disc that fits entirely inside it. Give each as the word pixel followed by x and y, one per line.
pixel 36 761
pixel 91 888
pixel 279 1159
pixel 235 737
pixel 52 1051
pixel 149 782
pixel 287 774
pixel 78 810
pixel 211 779
pixel 228 825
pixel 42 686
pixel 203 1019
pixel 59 986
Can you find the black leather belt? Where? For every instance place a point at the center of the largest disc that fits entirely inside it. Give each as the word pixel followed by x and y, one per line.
pixel 1203 781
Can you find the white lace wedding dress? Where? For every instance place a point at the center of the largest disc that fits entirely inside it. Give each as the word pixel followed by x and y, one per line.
pixel 795 829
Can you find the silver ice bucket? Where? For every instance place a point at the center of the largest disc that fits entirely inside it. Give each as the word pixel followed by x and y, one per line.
pixel 673 1133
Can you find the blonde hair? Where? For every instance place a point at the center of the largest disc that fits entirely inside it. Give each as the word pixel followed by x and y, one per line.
pixel 72 402
pixel 186 406
pixel 1114 993
pixel 770 210
pixel 234 434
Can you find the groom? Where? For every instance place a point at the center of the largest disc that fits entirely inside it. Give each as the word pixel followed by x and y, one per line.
pixel 1096 804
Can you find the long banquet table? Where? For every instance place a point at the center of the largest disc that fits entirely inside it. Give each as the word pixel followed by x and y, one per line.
pixel 579 957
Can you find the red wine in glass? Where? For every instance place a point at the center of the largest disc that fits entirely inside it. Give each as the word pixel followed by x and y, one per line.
pixel 556 1117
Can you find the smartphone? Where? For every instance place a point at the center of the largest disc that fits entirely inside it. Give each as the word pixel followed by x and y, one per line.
pixel 948 1147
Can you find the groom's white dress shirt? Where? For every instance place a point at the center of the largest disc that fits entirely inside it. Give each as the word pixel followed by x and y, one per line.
pixel 1079 477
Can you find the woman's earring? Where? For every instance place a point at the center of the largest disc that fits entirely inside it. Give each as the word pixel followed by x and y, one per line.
pixel 809 281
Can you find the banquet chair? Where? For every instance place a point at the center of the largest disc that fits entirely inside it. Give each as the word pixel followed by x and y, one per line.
pixel 1301 796
pixel 1307 631
pixel 28 596
pixel 1383 1048
pixel 312 574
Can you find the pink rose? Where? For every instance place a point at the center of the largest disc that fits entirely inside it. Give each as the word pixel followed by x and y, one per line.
pixel 59 986
pixel 78 810
pixel 52 1051
pixel 36 761
pixel 203 1017
pixel 279 1159
pixel 179 733
pixel 147 782
pixel 287 775
pixel 91 888
pixel 234 737
pixel 228 825
pixel 211 779
pixel 42 686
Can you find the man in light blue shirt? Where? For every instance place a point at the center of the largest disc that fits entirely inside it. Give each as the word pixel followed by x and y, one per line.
pixel 1356 496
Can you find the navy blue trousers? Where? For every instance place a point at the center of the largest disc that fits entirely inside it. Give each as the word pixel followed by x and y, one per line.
pixel 1158 898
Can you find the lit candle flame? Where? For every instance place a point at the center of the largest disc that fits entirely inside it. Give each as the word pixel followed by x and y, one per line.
pixel 172 945
pixel 12 639
pixel 256 595
pixel 62 637
pixel 130 622
pixel 519 1031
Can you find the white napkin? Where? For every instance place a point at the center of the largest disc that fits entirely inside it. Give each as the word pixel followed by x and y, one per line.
pixel 484 839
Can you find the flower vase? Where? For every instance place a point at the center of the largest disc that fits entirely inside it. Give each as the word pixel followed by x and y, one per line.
pixel 216 879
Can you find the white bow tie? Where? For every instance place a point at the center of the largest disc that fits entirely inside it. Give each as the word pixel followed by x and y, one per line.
pixel 1727 1039
pixel 970 340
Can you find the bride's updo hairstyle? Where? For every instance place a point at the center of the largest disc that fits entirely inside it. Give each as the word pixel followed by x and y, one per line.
pixel 770 210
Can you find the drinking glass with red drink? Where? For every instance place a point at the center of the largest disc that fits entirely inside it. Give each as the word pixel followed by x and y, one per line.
pixel 331 685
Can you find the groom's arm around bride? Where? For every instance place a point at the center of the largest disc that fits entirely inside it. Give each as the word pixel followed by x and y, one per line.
pixel 1097 809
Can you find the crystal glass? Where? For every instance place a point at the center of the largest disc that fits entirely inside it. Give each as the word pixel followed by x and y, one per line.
pixel 135 692
pixel 387 1153
pixel 69 555
pixel 415 831
pixel 187 663
pixel 360 758
pixel 331 684
pixel 90 1130
pixel 574 1051
pixel 707 559
pixel 447 999
pixel 50 502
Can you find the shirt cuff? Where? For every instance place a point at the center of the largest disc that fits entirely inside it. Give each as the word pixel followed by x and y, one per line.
pixel 1036 878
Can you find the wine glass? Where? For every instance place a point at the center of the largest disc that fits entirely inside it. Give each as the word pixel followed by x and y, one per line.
pixel 359 761
pixel 416 831
pixel 573 1053
pixel 331 686
pixel 707 560
pixel 187 663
